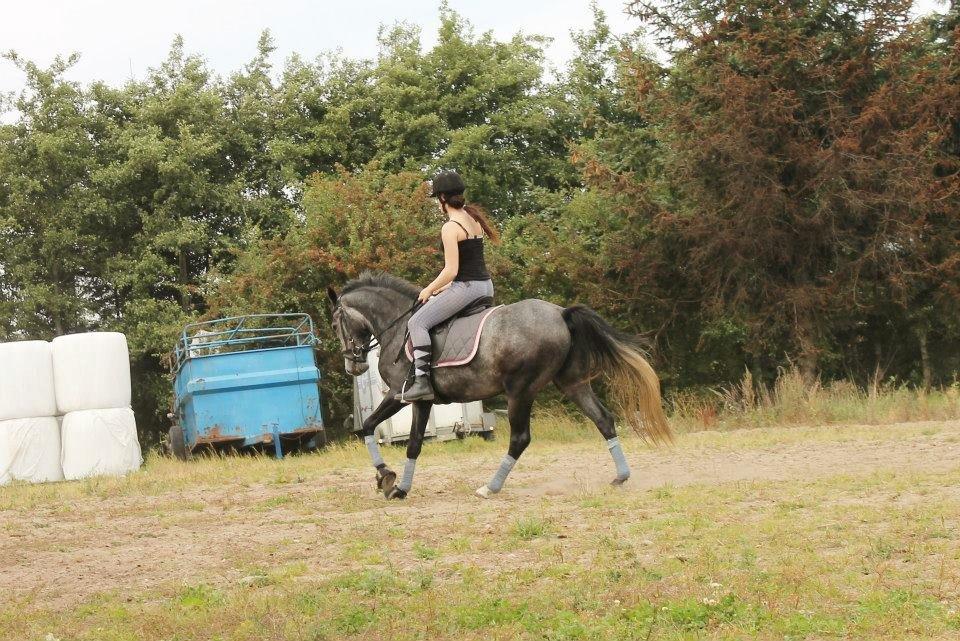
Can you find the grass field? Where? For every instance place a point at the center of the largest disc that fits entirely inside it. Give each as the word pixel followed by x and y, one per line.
pixel 828 532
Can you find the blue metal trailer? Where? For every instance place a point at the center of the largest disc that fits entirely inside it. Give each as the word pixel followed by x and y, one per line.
pixel 244 381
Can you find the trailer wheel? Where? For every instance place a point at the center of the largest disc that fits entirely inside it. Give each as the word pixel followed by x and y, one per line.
pixel 178 447
pixel 487 436
pixel 321 439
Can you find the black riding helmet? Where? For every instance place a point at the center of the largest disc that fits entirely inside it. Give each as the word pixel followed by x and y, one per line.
pixel 446 182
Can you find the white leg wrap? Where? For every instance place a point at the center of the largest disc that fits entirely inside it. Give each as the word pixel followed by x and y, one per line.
pixel 407 481
pixel 374 448
pixel 616 451
pixel 496 483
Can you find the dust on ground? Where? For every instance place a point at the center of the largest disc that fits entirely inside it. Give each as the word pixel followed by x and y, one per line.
pixel 61 555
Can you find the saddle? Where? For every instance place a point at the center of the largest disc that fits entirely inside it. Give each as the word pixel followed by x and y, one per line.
pixel 455 341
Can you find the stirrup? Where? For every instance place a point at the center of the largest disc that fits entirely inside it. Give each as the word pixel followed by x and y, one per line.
pixel 402 396
pixel 409 380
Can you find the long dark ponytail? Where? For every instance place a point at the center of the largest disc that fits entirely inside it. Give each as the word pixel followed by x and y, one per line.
pixel 457 201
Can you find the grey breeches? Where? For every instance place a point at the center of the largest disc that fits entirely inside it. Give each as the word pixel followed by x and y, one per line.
pixel 443 306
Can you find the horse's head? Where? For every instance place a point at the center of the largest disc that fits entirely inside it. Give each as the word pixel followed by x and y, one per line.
pixel 354 332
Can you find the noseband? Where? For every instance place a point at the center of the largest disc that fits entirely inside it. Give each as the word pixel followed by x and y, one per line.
pixel 356 351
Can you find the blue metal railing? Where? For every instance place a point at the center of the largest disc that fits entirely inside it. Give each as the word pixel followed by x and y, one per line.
pixel 235 334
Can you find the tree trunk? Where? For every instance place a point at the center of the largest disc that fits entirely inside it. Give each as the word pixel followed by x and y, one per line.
pixel 184 277
pixel 877 377
pixel 925 360
pixel 55 310
pixel 809 358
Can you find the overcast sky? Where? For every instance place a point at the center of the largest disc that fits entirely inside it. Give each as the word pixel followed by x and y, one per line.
pixel 115 36
pixel 118 37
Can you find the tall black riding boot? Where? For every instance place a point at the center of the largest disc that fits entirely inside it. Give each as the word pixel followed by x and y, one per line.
pixel 422 388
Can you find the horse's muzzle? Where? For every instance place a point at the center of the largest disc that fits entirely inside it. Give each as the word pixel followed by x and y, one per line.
pixel 355 369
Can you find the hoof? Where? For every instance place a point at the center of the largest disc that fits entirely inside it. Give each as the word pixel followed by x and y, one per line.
pixel 620 480
pixel 396 493
pixel 386 479
pixel 484 492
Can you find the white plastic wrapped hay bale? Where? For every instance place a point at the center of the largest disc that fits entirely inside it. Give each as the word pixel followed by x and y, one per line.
pixel 30 450
pixel 26 380
pixel 99 442
pixel 91 371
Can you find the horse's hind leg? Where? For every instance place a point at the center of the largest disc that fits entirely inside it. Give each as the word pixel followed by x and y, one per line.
pixel 518 411
pixel 586 399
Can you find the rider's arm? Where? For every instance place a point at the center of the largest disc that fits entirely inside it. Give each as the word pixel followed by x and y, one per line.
pixel 449 234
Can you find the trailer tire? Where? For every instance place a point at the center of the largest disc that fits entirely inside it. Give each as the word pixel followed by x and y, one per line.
pixel 488 435
pixel 176 443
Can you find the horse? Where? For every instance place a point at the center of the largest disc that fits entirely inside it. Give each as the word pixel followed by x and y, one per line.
pixel 524 347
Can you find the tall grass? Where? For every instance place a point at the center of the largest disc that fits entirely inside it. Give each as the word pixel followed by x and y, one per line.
pixel 745 405
pixel 792 401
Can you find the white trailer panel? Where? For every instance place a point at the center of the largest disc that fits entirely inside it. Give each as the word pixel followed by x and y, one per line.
pixel 446 422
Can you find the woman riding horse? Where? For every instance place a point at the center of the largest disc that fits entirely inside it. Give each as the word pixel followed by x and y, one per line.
pixel 463 280
pixel 523 347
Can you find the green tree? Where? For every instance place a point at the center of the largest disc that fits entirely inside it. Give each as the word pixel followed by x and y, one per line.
pixel 182 185
pixel 471 102
pixel 50 215
pixel 326 114
pixel 352 221
pixel 904 152
pixel 251 105
pixel 583 246
pixel 754 184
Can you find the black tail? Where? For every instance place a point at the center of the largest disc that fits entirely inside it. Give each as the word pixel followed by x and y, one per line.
pixel 598 348
pixel 595 341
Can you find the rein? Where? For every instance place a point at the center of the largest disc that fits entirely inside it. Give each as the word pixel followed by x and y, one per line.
pixel 358 352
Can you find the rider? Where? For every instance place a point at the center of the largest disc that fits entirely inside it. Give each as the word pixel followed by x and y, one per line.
pixel 463 280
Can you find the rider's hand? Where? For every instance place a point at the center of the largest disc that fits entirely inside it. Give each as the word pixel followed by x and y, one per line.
pixel 425 295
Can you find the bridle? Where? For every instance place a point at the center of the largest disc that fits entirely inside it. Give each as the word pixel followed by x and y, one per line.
pixel 357 351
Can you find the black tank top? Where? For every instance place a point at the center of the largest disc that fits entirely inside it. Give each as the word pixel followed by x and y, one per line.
pixel 472 265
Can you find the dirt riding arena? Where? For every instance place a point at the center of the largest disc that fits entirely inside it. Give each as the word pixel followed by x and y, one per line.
pixel 811 532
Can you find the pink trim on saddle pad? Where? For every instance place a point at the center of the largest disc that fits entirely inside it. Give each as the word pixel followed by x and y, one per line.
pixel 473 351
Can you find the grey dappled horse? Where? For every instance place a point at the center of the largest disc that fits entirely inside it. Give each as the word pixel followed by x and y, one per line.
pixel 524 347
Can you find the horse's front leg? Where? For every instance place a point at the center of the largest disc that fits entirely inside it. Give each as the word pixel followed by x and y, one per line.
pixel 421 414
pixel 386 478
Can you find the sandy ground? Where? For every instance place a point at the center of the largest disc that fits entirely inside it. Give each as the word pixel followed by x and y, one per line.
pixel 129 544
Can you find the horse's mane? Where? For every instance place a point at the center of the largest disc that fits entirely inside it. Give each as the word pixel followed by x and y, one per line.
pixel 384 280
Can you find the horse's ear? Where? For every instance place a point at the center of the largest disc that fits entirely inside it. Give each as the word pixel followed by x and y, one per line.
pixel 332 293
